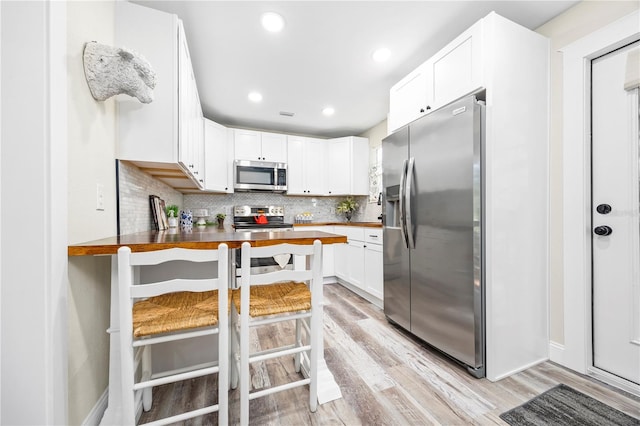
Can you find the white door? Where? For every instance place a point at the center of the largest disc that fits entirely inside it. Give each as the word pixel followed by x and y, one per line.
pixel 615 218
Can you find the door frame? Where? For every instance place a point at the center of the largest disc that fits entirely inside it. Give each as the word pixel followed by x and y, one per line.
pixel 576 353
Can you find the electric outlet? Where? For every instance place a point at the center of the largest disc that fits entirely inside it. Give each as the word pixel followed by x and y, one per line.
pixel 100 197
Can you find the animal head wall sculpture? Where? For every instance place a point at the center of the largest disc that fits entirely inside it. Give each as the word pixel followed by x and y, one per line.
pixel 111 71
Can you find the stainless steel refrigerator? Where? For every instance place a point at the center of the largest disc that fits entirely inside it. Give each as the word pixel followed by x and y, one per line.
pixel 432 218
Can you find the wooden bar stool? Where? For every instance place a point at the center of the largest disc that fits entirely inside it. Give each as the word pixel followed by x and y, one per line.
pixel 171 310
pixel 272 297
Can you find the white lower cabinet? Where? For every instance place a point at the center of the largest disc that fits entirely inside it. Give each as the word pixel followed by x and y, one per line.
pixel 358 263
pixel 373 273
pixel 327 252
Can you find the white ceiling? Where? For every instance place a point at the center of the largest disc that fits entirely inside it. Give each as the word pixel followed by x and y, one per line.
pixel 323 55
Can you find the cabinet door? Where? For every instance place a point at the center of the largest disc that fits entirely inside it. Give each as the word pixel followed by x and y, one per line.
pixel 359 171
pixel 295 166
pixel 409 98
pixel 248 145
pixel 314 166
pixel 340 261
pixel 457 69
pixel 373 277
pixel 274 147
pixel 190 126
pixel 216 157
pixel 338 167
pixel 327 252
pixel 355 258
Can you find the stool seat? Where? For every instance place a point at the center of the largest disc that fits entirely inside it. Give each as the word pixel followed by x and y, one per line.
pixel 177 311
pixel 275 299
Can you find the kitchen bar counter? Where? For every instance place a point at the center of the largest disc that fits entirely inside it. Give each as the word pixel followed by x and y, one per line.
pixel 199 238
pixel 362 224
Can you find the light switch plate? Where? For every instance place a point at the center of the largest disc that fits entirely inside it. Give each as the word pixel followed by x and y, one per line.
pixel 100 197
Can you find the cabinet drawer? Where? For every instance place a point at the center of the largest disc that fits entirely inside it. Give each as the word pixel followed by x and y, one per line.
pixel 373 235
pixel 351 232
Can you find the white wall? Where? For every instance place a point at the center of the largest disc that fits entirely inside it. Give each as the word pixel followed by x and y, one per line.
pixel 34 202
pixel 91 160
pixel 577 22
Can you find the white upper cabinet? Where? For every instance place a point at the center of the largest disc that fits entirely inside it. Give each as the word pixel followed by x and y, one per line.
pixel 218 154
pixel 410 98
pixel 163 137
pixel 260 146
pixel 190 127
pixel 274 147
pixel 456 70
pixel 347 170
pixel 306 166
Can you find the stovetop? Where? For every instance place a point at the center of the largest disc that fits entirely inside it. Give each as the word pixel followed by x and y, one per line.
pixel 244 217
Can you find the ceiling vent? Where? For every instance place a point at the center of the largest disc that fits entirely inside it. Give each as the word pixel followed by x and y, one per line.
pixel 287 114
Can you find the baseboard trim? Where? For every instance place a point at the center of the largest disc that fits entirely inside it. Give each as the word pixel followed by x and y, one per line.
pixel 369 297
pixel 556 352
pixel 517 370
pixel 95 415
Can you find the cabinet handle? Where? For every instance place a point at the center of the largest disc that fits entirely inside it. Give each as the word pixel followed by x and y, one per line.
pixel 201 180
pixel 373 236
pixel 195 173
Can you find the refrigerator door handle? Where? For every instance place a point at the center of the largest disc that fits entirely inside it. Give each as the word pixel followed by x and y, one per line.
pixel 403 221
pixel 408 219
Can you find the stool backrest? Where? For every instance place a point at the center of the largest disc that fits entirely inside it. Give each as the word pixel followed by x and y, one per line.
pixel 127 261
pixel 312 270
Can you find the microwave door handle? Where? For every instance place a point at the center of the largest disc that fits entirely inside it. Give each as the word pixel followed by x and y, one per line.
pixel 408 218
pixel 403 223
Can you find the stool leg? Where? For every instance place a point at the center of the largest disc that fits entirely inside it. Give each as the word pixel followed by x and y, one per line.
pixel 147 395
pixel 313 358
pixel 244 371
pixel 234 352
pixel 298 356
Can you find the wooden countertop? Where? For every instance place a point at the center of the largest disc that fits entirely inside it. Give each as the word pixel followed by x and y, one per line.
pixel 362 224
pixel 198 238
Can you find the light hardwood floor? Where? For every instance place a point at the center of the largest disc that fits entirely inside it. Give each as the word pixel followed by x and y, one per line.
pixel 386 378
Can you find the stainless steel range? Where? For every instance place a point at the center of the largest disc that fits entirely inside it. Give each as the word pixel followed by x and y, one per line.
pixel 261 219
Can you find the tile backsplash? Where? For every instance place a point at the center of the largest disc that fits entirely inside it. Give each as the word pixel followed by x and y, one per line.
pixel 322 208
pixel 135 186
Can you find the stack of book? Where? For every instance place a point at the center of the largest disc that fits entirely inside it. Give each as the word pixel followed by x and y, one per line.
pixel 158 213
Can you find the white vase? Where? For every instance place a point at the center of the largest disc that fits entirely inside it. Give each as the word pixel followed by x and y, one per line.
pixel 173 222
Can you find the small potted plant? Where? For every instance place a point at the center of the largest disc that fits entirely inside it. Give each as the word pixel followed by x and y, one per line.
pixel 172 215
pixel 220 218
pixel 347 206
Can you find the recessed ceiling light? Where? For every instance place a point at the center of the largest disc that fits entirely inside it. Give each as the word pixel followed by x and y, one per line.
pixel 381 54
pixel 272 22
pixel 328 111
pixel 255 97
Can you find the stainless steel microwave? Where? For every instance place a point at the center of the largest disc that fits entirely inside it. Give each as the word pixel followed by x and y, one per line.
pixel 259 176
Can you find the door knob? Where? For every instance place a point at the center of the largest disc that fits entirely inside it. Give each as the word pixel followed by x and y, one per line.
pixel 603 208
pixel 603 230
